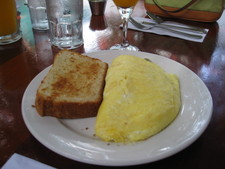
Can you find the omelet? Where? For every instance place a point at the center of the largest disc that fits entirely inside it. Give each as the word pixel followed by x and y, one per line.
pixel 139 100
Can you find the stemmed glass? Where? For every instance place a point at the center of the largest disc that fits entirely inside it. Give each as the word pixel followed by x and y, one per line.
pixel 125 8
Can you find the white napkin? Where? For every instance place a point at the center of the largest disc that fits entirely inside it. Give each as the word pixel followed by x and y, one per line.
pixel 161 31
pixel 20 162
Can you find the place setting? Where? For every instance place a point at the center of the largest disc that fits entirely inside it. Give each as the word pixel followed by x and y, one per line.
pixel 168 28
pixel 76 138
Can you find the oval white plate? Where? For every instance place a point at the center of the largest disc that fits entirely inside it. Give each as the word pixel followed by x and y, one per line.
pixel 75 139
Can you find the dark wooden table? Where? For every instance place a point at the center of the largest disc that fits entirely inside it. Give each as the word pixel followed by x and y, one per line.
pixel 21 61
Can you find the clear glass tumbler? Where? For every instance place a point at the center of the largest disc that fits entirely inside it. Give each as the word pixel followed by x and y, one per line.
pixel 65 23
pixel 38 14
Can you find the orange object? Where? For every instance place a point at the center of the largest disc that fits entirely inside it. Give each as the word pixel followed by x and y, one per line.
pixel 125 3
pixel 8 14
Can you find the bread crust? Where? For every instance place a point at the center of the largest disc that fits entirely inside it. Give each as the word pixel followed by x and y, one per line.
pixel 48 105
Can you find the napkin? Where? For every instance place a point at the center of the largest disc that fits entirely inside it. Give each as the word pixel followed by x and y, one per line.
pixel 161 31
pixel 20 162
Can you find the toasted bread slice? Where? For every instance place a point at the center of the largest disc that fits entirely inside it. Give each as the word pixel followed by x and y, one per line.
pixel 73 87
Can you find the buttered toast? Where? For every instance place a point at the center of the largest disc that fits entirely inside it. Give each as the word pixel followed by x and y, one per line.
pixel 73 87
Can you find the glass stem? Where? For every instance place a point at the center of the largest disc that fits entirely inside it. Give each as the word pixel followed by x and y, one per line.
pixel 125 15
pixel 125 26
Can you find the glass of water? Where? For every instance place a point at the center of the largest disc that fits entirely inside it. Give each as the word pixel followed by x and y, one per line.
pixel 65 23
pixel 38 14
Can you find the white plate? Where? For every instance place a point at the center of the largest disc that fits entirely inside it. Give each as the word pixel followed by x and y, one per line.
pixel 75 139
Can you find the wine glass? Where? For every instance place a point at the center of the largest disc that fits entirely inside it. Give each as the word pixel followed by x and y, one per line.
pixel 125 8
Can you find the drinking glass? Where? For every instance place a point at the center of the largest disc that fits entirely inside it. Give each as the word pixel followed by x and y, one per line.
pixel 65 23
pixel 125 8
pixel 9 22
pixel 38 15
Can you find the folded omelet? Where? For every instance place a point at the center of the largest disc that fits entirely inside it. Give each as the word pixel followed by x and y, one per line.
pixel 139 100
